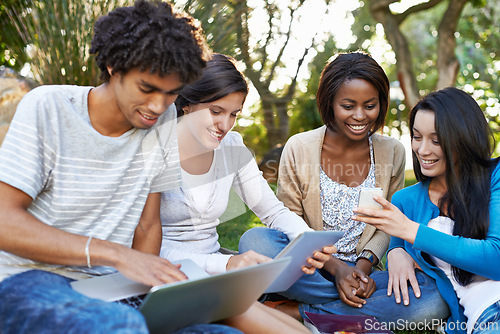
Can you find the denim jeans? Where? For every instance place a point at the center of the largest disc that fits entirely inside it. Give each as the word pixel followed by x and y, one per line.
pixel 41 302
pixel 317 293
pixel 489 321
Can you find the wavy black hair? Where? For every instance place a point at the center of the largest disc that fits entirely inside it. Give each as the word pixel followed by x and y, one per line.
pixel 149 36
pixel 467 143
pixel 220 78
pixel 345 67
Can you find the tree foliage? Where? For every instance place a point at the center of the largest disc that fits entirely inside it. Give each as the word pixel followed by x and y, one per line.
pixel 53 37
pixel 217 20
pixel 262 53
pixel 10 34
pixel 432 44
pixel 446 60
pixel 476 36
pixel 306 115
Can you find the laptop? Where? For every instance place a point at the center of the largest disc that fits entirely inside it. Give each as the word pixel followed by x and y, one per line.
pixel 299 250
pixel 200 299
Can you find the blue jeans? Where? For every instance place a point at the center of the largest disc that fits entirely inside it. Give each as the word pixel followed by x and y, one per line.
pixel 317 293
pixel 489 321
pixel 41 302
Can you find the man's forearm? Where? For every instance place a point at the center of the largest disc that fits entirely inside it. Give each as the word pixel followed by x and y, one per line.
pixel 148 233
pixel 148 239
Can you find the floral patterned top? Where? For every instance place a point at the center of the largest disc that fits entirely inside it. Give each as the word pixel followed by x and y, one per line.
pixel 337 202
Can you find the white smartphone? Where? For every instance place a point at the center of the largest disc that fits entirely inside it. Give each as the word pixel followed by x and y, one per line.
pixel 366 198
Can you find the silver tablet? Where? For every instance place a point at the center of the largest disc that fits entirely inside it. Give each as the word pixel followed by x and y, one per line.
pixel 299 250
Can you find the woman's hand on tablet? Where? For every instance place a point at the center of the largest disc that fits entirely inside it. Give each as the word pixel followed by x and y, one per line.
pixel 318 260
pixel 246 259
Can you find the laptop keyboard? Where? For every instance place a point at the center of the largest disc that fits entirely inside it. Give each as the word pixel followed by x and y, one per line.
pixel 134 301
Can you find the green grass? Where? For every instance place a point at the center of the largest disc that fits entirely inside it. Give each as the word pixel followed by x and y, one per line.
pixel 231 231
pixel 409 178
pixel 238 219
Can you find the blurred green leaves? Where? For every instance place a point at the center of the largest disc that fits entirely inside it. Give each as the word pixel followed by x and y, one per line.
pixel 53 38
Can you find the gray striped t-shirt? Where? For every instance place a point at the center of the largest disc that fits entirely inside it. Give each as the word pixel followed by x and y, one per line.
pixel 81 181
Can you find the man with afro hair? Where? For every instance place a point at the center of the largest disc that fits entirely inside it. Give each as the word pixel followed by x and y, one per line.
pixel 81 171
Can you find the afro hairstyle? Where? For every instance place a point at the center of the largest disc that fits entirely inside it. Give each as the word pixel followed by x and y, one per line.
pixel 150 36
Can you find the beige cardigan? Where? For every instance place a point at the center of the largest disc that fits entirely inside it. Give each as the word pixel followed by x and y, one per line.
pixel 298 180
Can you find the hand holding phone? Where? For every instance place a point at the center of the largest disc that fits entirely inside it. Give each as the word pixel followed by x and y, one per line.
pixel 366 198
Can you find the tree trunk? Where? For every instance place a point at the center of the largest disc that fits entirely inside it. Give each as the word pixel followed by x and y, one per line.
pixel 274 104
pixel 276 119
pixel 381 12
pixel 447 62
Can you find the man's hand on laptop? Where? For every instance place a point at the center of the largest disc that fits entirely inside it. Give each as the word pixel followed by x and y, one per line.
pixel 317 261
pixel 246 259
pixel 149 269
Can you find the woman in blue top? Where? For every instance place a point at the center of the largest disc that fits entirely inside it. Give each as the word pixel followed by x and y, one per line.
pixel 448 225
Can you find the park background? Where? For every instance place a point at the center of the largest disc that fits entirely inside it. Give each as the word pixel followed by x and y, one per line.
pixel 281 46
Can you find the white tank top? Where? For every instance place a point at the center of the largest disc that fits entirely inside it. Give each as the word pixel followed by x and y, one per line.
pixel 487 289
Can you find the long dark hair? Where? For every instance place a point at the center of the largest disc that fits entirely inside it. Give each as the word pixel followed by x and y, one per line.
pixel 219 78
pixel 467 143
pixel 345 67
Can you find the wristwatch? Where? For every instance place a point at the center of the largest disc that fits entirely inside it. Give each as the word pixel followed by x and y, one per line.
pixel 366 255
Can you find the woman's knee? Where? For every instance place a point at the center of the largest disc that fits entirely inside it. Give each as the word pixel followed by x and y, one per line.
pixel 263 240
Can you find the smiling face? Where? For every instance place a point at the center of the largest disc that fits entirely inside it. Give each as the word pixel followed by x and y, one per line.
pixel 425 145
pixel 142 97
pixel 206 124
pixel 356 107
